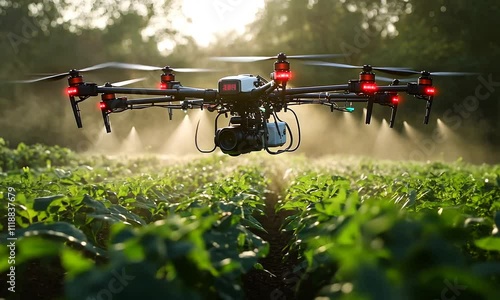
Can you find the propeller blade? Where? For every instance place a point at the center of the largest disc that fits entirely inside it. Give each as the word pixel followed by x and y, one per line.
pixel 51 77
pixel 97 67
pixel 242 58
pixel 245 59
pixel 453 73
pixel 140 67
pixel 313 56
pixel 330 64
pixel 116 65
pixel 404 72
pixel 399 71
pixel 63 75
pixel 394 71
pixel 41 74
pixel 127 66
pixel 389 70
pixel 127 82
pixel 193 70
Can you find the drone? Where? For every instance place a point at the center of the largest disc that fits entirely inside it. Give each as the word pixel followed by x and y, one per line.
pixel 251 102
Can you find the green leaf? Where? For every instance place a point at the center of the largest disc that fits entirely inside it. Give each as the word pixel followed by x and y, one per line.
pixel 42 203
pixel 247 260
pixel 252 223
pixel 105 217
pixel 30 248
pixel 60 231
pixel 241 239
pixel 118 210
pixel 489 243
pixel 412 197
pixel 99 207
pixel 74 262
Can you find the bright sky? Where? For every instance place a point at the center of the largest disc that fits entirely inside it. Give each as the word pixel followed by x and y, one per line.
pixel 208 18
pixel 211 18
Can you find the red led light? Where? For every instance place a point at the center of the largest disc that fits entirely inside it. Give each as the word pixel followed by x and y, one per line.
pixel 395 100
pixel 72 91
pixel 369 87
pixel 430 91
pixel 229 87
pixel 282 75
pixel 102 105
pixel 163 86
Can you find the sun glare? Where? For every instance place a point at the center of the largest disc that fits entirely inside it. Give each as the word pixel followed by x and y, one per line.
pixel 209 19
pixel 202 20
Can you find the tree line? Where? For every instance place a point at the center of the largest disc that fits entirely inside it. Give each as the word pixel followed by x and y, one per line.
pixel 435 35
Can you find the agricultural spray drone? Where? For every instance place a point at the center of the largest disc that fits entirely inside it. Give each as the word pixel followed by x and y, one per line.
pixel 251 102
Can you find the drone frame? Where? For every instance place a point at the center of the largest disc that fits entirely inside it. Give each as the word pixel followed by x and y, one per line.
pixel 270 97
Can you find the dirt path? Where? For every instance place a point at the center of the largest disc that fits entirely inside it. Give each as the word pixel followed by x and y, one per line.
pixel 260 284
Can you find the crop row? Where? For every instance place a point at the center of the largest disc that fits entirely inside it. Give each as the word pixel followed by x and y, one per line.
pixel 431 237
pixel 356 228
pixel 184 232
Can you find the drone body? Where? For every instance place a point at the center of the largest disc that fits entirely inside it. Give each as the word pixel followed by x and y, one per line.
pixel 236 85
pixel 252 102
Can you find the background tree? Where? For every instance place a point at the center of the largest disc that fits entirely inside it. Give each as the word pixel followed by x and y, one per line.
pixel 439 35
pixel 40 38
pixel 53 36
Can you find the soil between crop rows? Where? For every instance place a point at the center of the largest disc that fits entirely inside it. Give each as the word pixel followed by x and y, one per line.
pixel 259 284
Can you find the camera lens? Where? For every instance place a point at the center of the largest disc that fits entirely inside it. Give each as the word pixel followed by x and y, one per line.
pixel 228 138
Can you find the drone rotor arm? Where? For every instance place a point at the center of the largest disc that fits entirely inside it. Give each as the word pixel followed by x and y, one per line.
pixel 315 89
pixel 178 93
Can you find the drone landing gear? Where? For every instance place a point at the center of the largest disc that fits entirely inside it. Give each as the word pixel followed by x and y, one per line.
pixel 105 118
pixel 75 80
pixel 385 99
pixel 369 110
pixel 393 114
pixel 428 110
pixel 76 111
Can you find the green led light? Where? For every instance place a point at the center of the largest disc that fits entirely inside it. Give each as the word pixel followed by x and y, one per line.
pixel 350 109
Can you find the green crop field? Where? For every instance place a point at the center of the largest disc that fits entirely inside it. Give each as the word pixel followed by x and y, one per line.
pixel 252 227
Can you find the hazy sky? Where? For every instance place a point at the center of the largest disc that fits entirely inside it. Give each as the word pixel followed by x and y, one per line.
pixel 201 19
pixel 218 17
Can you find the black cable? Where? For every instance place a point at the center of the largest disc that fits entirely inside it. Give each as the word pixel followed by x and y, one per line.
pixel 196 138
pixel 298 130
pixel 289 131
pixel 287 149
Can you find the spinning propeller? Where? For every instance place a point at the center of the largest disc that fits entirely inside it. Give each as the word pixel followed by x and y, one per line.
pixel 111 65
pixel 365 68
pixel 167 79
pixel 246 59
pixel 400 71
pixel 126 82
pixel 139 67
pixel 63 75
